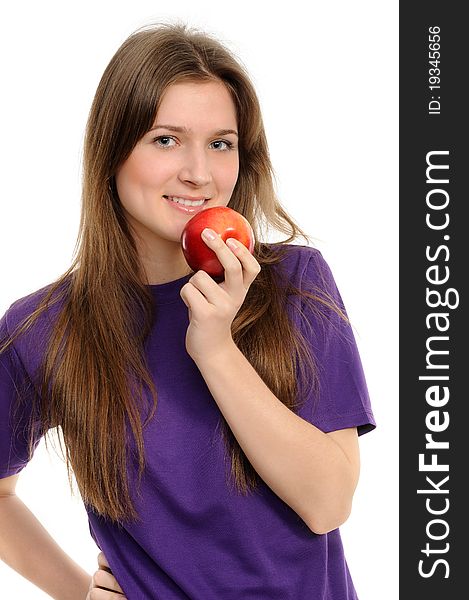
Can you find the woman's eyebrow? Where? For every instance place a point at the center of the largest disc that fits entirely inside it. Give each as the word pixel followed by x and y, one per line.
pixel 186 130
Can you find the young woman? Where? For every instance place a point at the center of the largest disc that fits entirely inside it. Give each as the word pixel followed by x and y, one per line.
pixel 212 427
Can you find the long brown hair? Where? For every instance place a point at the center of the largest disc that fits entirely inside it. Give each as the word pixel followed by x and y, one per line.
pixel 94 374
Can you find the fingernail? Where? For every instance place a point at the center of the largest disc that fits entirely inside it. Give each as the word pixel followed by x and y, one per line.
pixel 208 234
pixel 231 243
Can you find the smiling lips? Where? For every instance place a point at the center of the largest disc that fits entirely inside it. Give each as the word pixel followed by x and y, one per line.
pixel 186 201
pixel 189 205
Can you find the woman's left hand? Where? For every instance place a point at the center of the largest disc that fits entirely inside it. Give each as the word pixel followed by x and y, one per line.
pixel 213 306
pixel 104 585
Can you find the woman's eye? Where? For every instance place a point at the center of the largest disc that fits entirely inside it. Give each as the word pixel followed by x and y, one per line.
pixel 228 145
pixel 162 141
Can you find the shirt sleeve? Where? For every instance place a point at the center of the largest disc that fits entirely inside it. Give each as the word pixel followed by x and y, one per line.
pixel 340 399
pixel 16 420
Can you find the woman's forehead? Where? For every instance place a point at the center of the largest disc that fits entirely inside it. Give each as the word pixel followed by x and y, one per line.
pixel 196 106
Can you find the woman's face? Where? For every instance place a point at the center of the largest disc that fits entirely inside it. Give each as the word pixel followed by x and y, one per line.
pixel 190 152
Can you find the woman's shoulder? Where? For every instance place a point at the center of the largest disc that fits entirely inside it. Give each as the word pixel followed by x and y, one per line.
pixel 28 344
pixel 23 307
pixel 303 265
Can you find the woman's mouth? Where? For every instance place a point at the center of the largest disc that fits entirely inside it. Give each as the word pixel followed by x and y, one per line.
pixel 186 206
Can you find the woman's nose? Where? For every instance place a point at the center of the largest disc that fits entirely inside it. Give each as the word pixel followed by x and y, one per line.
pixel 196 169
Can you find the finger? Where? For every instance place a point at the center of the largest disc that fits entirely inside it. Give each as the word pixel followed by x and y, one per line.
pixel 206 286
pixel 107 581
pixel 251 268
pixel 98 594
pixel 230 263
pixel 194 299
pixel 103 562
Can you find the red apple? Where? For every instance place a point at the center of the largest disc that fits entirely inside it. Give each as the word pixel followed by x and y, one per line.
pixel 224 221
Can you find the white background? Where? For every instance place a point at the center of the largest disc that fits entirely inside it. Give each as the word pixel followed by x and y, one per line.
pixel 326 76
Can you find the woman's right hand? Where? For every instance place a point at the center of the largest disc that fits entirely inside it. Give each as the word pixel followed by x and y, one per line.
pixel 103 578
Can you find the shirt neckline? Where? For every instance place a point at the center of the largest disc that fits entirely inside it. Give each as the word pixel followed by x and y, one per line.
pixel 169 292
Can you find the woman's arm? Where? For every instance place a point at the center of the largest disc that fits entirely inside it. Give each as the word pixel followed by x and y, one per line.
pixel 315 473
pixel 28 548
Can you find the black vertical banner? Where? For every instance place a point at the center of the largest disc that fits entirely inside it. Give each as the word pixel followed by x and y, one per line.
pixel 434 268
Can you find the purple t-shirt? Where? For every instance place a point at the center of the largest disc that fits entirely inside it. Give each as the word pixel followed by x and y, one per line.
pixel 198 539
